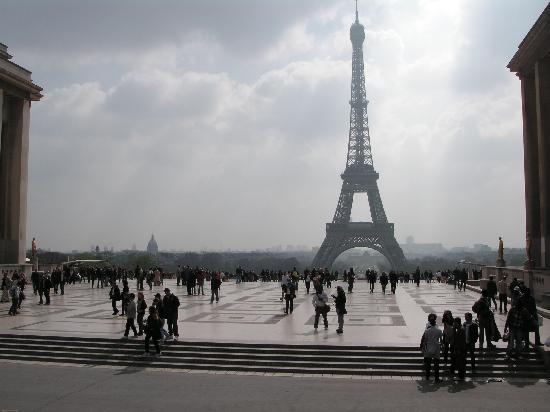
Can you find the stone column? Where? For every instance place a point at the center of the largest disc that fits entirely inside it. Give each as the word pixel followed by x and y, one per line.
pixel 531 163
pixel 542 88
pixel 14 151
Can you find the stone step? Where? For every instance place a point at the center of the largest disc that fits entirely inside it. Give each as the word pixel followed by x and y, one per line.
pixel 174 350
pixel 162 364
pixel 243 361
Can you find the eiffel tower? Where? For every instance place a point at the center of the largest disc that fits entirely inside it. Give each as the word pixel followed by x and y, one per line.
pixel 359 177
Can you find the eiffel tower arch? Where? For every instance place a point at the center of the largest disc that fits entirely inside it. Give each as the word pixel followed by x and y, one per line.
pixel 359 177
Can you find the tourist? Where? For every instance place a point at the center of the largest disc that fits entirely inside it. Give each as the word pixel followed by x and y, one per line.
pixel 503 294
pixel 485 320
pixel 340 306
pixel 149 279
pixel 471 333
pixel 124 296
pixel 384 282
pixel 533 324
pixel 6 285
pixel 371 277
pixel 430 346
pixel 171 304
pixel 307 280
pixel 290 294
pixel 284 285
pixel 447 320
pixel 351 280
pixel 492 291
pixel 34 281
pixel 141 306
pixel 516 321
pixel 47 286
pixel 152 331
pixel 200 282
pixel 14 296
pixel 114 295
pixel 178 275
pixel 157 277
pixel 215 283
pixel 416 276
pixel 458 350
pixel 130 316
pixel 393 281
pixel 320 303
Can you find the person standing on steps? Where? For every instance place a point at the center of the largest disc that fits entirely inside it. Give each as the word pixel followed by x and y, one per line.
pixel 141 307
pixel 485 319
pixel 215 283
pixel 458 350
pixel 447 320
pixel 114 295
pixel 171 303
pixel 384 282
pixel 320 303
pixel 340 306
pixel 152 331
pixel 130 316
pixel 430 347
pixel 471 334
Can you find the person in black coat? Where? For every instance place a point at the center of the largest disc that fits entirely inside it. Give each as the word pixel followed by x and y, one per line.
pixel 215 283
pixel 492 291
pixel 47 286
pixel 340 305
pixel 171 303
pixel 393 281
pixel 152 330
pixel 114 295
pixel 384 282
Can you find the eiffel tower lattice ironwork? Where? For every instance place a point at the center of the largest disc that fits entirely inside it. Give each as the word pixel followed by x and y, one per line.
pixel 359 177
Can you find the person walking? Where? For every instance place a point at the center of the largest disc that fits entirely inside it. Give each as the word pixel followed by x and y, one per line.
pixel 351 280
pixel 471 335
pixel 393 282
pixel 47 287
pixel 14 296
pixel 152 331
pixel 320 303
pixel 384 282
pixel 340 306
pixel 200 282
pixel 492 291
pixel 141 307
pixel 430 345
pixel 130 316
pixel 171 303
pixel 503 294
pixel 215 283
pixel 307 280
pixel 290 295
pixel 114 295
pixel 371 277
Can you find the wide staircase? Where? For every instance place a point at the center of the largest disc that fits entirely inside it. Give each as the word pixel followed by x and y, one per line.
pixel 248 357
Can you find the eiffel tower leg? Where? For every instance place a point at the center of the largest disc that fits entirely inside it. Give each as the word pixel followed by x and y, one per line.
pixel 325 255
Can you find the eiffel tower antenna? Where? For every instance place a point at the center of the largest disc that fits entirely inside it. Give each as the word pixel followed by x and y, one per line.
pixel 359 177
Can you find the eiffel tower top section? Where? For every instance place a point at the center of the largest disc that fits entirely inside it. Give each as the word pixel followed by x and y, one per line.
pixel 359 159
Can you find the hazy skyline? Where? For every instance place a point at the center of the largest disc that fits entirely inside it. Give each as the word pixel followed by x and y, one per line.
pixel 224 124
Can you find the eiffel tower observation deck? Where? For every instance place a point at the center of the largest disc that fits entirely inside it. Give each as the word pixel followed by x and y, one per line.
pixel 359 177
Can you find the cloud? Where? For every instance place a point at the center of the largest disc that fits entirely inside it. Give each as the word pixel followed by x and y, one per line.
pixel 227 126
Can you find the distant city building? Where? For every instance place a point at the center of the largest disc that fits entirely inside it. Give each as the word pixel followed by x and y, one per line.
pixel 479 247
pixel 152 247
pixel 412 249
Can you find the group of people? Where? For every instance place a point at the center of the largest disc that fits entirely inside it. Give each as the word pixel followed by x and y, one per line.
pixel 13 286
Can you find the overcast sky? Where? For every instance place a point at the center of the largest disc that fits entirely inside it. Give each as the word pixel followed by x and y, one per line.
pixel 224 124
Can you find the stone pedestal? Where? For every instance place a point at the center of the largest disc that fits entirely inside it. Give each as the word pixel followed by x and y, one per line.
pixel 501 263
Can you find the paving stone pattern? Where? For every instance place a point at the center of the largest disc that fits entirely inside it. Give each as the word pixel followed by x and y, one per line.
pixel 253 312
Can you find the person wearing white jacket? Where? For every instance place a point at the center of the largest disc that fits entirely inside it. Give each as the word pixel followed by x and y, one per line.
pixel 320 303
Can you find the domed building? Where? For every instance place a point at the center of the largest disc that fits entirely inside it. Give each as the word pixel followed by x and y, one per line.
pixel 152 247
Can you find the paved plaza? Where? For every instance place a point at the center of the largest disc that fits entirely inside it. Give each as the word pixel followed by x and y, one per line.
pixel 253 312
